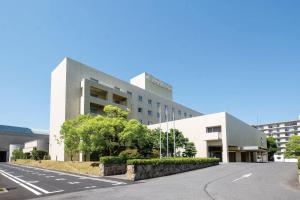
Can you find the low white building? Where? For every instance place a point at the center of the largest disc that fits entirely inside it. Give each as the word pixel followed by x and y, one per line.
pixel 40 144
pixel 223 136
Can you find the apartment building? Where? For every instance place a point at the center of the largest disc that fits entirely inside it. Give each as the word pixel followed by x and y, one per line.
pixel 223 136
pixel 281 131
pixel 79 89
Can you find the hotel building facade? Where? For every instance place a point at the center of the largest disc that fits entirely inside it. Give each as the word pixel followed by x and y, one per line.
pixel 77 89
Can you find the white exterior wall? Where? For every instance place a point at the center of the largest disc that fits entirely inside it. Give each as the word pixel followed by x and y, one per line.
pixel 38 144
pixel 70 97
pixel 234 133
pixel 195 130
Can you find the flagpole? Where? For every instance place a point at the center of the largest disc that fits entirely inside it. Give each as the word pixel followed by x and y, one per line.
pixel 160 155
pixel 174 132
pixel 167 119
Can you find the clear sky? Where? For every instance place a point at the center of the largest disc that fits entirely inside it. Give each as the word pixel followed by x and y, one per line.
pixel 242 57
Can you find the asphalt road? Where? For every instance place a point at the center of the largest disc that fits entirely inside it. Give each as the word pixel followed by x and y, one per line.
pixel 234 181
pixel 28 182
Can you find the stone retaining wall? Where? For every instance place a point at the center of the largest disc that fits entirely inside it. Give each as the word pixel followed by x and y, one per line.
pixel 112 169
pixel 140 172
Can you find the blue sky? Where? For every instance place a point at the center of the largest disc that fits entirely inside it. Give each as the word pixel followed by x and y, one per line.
pixel 241 57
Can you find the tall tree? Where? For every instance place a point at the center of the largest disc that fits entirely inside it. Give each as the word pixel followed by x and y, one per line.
pixel 272 147
pixel 70 135
pixel 293 147
pixel 137 136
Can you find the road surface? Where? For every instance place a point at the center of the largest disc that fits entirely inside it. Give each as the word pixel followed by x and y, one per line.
pixel 29 182
pixel 234 181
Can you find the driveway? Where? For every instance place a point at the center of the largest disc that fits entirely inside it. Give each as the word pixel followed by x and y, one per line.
pixel 259 181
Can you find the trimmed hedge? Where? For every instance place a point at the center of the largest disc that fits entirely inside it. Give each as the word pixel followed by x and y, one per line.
pixel 113 160
pixel 176 161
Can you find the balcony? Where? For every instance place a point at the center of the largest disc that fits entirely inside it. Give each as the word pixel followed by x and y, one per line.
pixel 98 93
pixel 117 99
pixel 212 136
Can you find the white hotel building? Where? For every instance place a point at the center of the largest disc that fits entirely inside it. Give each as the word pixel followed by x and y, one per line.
pixel 79 89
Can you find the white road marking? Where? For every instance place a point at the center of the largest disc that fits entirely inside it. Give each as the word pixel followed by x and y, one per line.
pixel 79 176
pixel 60 179
pixel 21 184
pixel 90 187
pixel 50 176
pixel 73 183
pixel 242 177
pixel 32 181
pixel 19 176
pixel 33 186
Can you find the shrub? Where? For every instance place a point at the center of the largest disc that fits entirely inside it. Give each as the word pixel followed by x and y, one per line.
pixel 298 162
pixel 175 161
pixel 155 153
pixel 18 154
pixel 38 154
pixel 130 154
pixel 113 160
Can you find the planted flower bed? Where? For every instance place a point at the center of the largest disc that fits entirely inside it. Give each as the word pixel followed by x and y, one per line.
pixel 139 169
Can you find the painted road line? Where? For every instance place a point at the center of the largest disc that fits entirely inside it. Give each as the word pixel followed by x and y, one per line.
pixel 60 179
pixel 242 177
pixel 33 186
pixel 32 181
pixel 79 176
pixel 50 176
pixel 73 183
pixel 21 184
pixel 90 187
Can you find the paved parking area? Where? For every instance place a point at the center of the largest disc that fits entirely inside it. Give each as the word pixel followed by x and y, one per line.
pixel 29 182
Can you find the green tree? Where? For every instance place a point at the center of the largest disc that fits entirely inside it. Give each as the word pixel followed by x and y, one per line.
pixel 115 112
pixel 189 150
pixel 180 140
pixel 293 147
pixel 70 136
pixel 272 147
pixel 137 136
pixel 18 154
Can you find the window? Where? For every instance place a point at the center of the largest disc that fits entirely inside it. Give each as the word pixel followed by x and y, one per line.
pixel 140 98
pixel 94 80
pixel 140 110
pixel 158 115
pixel 191 115
pixel 179 113
pixel 129 93
pixel 96 109
pixel 149 112
pixel 149 122
pixel 184 115
pixel 214 129
pixel 149 102
pixel 117 88
pixel 158 105
pixel 141 121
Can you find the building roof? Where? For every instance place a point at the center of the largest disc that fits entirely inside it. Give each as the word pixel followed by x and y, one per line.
pixel 21 130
